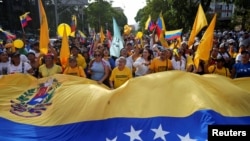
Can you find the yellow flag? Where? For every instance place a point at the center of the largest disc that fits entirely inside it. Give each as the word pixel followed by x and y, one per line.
pixel 44 30
pixel 162 39
pixel 102 36
pixel 206 43
pixel 64 52
pixel 199 23
pixel 148 22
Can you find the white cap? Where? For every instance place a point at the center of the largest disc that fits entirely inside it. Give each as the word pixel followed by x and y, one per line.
pixel 230 41
pixel 196 43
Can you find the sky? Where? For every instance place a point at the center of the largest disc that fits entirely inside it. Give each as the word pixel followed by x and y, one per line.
pixel 130 7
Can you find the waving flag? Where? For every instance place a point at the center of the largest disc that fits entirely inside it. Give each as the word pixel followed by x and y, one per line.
pixel 73 25
pixel 64 51
pixel 44 30
pixel 206 43
pixel 102 36
pixel 79 109
pixel 160 22
pixel 109 37
pixel 199 22
pixel 148 22
pixel 8 35
pixel 117 42
pixel 24 19
pixel 82 36
pixel 155 29
pixel 173 34
pixel 163 41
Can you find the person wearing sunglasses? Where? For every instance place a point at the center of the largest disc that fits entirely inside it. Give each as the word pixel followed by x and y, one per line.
pixel 98 68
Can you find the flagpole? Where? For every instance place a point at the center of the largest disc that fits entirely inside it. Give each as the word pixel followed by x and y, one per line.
pixel 22 26
pixel 23 30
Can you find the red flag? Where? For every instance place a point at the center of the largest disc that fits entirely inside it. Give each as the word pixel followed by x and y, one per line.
pixel 155 28
pixel 109 37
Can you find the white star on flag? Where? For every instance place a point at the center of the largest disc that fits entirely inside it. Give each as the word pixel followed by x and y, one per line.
pixel 159 133
pixel 112 139
pixel 186 138
pixel 134 134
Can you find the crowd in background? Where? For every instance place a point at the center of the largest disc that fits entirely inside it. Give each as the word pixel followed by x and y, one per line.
pixel 229 57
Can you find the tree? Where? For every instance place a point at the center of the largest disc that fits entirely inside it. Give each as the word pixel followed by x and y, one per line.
pixel 100 13
pixel 176 13
pixel 243 13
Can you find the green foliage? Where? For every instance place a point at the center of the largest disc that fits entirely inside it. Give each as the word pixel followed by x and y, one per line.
pixel 176 13
pixel 181 13
pixel 101 13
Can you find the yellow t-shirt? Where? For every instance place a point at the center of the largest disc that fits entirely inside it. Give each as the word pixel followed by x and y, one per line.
pixel 158 65
pixel 80 61
pixel 223 71
pixel 77 71
pixel 44 71
pixel 120 77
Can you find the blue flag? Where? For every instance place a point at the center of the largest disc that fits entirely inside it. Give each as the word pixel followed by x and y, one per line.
pixel 117 41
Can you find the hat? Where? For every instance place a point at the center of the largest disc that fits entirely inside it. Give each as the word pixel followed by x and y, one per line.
pixel 230 41
pixel 8 45
pixel 196 43
pixel 15 54
pixel 222 45
pixel 31 52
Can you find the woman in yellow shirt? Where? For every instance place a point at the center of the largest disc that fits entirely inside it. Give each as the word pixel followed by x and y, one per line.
pixel 49 67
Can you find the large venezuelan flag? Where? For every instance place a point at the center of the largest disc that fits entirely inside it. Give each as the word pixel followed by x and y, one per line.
pixel 170 106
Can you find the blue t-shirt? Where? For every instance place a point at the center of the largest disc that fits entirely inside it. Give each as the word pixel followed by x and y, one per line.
pixel 242 70
pixel 98 70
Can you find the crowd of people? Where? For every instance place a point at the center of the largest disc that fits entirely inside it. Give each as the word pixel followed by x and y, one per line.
pixel 229 56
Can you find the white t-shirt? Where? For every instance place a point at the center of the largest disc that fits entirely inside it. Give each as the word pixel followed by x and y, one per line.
pixel 23 67
pixel 4 67
pixel 141 69
pixel 179 65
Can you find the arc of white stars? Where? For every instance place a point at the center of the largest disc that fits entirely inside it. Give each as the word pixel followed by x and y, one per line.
pixel 186 138
pixel 114 139
pixel 133 134
pixel 159 133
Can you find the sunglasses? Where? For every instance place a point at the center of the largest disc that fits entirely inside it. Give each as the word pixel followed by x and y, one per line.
pixel 97 55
